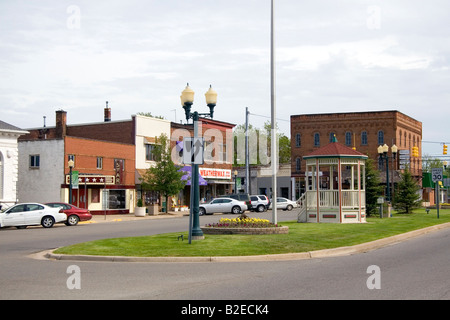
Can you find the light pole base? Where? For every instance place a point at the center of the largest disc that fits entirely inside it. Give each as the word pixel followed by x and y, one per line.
pixel 198 237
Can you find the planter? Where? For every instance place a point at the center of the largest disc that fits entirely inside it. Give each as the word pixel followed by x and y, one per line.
pixel 153 210
pixel 139 211
pixel 253 231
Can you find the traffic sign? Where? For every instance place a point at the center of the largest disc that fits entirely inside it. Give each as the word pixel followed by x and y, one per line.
pixel 437 174
pixel 193 151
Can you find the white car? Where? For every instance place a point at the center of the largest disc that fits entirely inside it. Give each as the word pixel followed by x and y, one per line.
pixel 224 205
pixel 285 204
pixel 30 214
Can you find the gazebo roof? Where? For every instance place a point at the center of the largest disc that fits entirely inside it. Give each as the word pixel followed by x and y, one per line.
pixel 335 149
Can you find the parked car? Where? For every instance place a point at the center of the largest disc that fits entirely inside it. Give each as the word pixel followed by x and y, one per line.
pixel 224 205
pixel 259 203
pixel 30 214
pixel 241 197
pixel 285 204
pixel 74 214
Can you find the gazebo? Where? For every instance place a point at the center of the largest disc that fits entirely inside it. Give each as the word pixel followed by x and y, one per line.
pixel 335 186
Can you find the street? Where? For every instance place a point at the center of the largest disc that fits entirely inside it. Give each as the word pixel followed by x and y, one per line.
pixel 413 269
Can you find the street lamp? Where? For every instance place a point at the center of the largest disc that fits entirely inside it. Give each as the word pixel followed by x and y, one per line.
pixel 383 153
pixel 235 181
pixel 187 100
pixel 71 165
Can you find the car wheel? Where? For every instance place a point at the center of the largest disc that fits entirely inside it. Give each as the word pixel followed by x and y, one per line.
pixel 72 220
pixel 289 207
pixel 201 211
pixel 260 208
pixel 235 210
pixel 47 222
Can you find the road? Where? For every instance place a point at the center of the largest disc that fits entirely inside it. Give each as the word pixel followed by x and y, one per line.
pixel 414 269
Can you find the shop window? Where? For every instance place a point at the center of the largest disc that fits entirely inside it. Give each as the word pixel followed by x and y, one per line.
pixel 116 199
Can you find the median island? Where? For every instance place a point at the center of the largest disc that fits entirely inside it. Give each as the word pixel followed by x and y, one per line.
pixel 301 237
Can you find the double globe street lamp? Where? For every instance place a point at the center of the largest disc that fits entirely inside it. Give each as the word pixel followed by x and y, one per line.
pixel 383 153
pixel 187 100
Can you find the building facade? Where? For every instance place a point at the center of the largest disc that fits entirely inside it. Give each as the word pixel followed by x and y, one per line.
pixel 9 163
pixel 362 131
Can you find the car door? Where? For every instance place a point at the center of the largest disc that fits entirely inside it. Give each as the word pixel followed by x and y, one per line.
pixel 14 216
pixel 281 203
pixel 33 214
pixel 226 205
pixel 214 206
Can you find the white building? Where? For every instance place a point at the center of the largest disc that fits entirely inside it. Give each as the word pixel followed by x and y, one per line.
pixel 9 160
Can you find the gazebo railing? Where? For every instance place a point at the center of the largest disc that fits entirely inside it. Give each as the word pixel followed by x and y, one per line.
pixel 330 198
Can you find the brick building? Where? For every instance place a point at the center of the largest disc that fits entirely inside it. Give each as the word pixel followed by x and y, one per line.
pixel 215 173
pixel 363 131
pixel 103 156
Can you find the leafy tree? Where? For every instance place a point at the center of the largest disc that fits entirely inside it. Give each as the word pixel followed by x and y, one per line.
pixel 373 187
pixel 407 196
pixel 165 176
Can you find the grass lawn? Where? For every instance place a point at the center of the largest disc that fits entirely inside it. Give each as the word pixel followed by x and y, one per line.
pixel 302 237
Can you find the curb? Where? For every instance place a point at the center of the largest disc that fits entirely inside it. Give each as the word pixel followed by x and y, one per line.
pixel 335 252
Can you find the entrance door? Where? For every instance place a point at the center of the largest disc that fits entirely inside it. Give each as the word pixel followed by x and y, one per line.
pixel 82 198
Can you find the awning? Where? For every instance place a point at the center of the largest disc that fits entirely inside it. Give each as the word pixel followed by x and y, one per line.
pixel 187 176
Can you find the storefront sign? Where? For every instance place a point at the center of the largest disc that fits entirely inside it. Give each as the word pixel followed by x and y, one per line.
pixel 209 173
pixel 90 180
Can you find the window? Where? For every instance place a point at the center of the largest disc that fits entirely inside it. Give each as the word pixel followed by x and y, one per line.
pixel 316 139
pixel 35 161
pixel 298 164
pixel 116 199
pixel 364 138
pixel 223 152
pixel 380 137
pixel 298 140
pixel 99 162
pixel 150 152
pixel 348 138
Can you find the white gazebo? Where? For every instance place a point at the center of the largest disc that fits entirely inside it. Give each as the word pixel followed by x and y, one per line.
pixel 335 186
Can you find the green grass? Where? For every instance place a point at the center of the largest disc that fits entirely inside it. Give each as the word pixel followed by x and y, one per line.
pixel 302 237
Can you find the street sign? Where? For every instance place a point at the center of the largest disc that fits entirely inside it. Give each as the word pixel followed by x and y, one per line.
pixel 193 151
pixel 436 174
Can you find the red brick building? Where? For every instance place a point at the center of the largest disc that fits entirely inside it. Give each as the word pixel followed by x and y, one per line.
pixel 363 131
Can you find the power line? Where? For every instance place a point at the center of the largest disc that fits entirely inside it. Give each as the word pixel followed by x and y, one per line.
pixel 260 115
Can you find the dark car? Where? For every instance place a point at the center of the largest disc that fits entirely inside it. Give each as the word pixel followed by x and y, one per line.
pixel 241 197
pixel 74 214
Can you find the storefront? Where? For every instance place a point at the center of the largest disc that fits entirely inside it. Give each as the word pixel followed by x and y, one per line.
pixel 99 193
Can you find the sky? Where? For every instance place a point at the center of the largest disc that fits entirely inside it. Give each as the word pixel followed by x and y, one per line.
pixel 331 56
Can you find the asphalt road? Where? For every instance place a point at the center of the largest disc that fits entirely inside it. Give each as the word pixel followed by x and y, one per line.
pixel 414 269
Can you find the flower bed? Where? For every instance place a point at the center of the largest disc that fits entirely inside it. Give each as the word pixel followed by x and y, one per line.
pixel 244 225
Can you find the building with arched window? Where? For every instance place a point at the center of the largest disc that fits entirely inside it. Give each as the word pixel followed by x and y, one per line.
pixel 9 163
pixel 361 131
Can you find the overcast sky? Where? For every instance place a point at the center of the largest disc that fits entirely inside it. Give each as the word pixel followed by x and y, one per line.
pixel 331 56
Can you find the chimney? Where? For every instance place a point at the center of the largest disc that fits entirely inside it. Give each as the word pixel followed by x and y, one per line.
pixel 61 124
pixel 107 113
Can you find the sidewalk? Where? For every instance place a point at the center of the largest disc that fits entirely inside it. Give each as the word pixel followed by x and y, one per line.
pixel 132 217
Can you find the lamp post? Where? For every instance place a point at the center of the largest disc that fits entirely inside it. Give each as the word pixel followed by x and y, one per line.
pixel 187 100
pixel 235 181
pixel 383 153
pixel 71 165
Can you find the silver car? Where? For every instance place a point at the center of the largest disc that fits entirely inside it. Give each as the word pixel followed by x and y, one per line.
pixel 284 204
pixel 224 205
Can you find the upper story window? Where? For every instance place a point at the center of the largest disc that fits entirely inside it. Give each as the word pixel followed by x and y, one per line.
pixel 316 139
pixel 298 140
pixel 35 161
pixel 348 138
pixel 150 152
pixel 364 138
pixel 332 135
pixel 380 137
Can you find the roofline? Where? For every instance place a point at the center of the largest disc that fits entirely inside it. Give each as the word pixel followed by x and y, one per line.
pixel 351 112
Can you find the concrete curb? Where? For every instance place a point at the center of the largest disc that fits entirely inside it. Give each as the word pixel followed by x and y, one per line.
pixel 342 251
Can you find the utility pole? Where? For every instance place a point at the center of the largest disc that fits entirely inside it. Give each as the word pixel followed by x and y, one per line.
pixel 247 173
pixel 273 118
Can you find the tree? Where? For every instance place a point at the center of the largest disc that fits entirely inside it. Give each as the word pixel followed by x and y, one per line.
pixel 373 187
pixel 407 196
pixel 165 176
